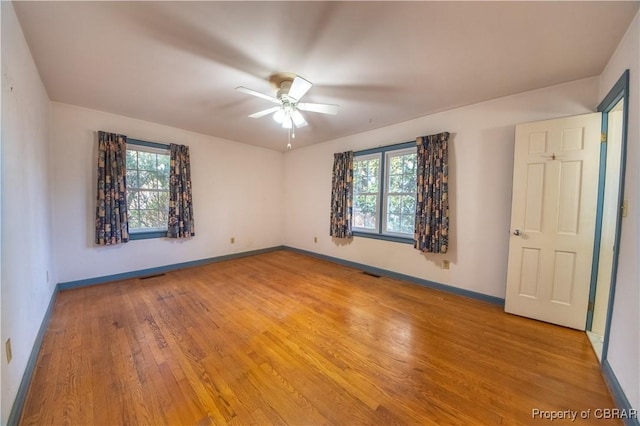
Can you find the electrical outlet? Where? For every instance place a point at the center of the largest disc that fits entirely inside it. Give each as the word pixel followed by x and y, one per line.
pixel 315 239
pixel 7 347
pixel 446 264
pixel 233 240
pixel 47 275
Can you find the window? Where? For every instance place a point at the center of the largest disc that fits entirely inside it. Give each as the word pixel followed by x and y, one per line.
pixel 400 191
pixel 384 192
pixel 147 189
pixel 366 184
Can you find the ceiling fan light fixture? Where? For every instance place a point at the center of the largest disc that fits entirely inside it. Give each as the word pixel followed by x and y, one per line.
pixel 287 123
pixel 279 116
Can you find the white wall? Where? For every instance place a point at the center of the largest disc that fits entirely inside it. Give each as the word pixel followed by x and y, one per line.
pixel 27 253
pixel 624 338
pixel 237 192
pixel 481 157
pixel 264 198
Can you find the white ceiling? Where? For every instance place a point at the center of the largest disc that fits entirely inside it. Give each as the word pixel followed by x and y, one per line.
pixel 177 63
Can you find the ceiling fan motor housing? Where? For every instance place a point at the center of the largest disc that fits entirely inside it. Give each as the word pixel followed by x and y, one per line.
pixel 283 90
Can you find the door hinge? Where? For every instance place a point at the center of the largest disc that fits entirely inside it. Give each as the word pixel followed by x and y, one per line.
pixel 603 137
pixel 591 307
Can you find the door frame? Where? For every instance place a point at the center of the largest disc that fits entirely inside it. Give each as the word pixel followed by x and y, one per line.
pixel 620 90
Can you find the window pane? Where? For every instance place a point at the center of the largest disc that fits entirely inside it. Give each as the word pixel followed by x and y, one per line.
pixel 163 201
pixel 407 224
pixel 359 181
pixel 374 175
pixel 148 180
pixel 132 159
pixel 366 184
pixel 408 204
pixel 164 164
pixel 132 179
pixel 144 200
pixel 134 219
pixel 394 204
pixel 132 200
pixel 164 219
pixel 410 164
pixel 395 183
pixel 409 183
pixel 395 165
pixel 393 223
pixel 146 160
pixel 365 211
pixel 149 218
pixel 366 175
pixel 400 192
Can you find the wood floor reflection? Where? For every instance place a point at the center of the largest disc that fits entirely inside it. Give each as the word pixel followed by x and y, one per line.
pixel 284 338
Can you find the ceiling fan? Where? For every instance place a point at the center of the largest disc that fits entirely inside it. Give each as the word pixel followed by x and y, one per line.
pixel 290 88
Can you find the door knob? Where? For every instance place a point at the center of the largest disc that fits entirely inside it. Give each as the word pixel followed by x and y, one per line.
pixel 517 232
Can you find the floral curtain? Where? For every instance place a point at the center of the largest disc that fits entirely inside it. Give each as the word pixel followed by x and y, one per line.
pixel 181 223
pixel 342 195
pixel 112 224
pixel 432 206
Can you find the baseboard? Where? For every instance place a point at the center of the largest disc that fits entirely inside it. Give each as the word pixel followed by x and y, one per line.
pixel 630 415
pixel 18 403
pixel 383 272
pixel 161 269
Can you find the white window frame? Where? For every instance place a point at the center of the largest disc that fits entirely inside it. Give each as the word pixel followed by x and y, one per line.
pixel 387 184
pixel 367 157
pixel 153 148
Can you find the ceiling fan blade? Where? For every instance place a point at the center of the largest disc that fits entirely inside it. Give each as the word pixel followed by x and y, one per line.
pixel 299 87
pixel 321 108
pixel 258 94
pixel 264 112
pixel 298 119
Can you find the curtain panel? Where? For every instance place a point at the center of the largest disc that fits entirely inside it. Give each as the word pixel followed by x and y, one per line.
pixel 181 224
pixel 342 195
pixel 112 224
pixel 432 206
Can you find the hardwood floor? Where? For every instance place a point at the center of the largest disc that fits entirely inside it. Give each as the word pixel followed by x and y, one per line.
pixel 283 338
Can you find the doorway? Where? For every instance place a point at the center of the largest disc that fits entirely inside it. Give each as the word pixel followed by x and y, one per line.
pixel 540 276
pixel 553 219
pixel 611 209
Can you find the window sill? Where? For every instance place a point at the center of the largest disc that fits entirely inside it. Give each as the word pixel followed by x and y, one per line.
pixel 145 235
pixel 395 239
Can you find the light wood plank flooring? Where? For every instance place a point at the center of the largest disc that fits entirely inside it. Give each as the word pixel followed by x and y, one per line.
pixel 283 338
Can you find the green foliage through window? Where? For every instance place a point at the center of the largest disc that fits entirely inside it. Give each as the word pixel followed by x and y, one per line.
pixel 366 183
pixel 384 191
pixel 401 192
pixel 147 188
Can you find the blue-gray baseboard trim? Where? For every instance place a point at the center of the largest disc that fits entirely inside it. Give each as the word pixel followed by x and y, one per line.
pixel 619 397
pixel 161 269
pixel 383 272
pixel 18 403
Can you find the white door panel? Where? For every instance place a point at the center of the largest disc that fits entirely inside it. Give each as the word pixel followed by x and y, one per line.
pixel 553 219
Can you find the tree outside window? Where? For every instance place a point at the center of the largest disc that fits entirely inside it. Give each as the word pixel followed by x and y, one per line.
pixel 147 188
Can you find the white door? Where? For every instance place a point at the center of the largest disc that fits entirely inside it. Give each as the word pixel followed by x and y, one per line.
pixel 555 180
